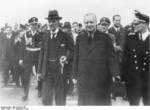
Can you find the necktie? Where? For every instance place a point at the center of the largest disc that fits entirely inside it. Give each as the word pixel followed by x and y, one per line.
pixel 140 36
pixel 117 30
pixel 90 38
pixel 53 36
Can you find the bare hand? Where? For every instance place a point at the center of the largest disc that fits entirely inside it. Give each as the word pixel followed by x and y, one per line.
pixel 74 81
pixel 38 76
pixel 21 62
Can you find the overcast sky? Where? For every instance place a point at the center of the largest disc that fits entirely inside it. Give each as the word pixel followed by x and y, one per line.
pixel 20 11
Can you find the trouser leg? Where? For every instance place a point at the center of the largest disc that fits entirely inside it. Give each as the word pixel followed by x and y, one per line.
pixel 47 90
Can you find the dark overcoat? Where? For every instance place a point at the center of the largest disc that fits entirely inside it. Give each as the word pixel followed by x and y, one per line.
pixel 94 66
pixel 120 40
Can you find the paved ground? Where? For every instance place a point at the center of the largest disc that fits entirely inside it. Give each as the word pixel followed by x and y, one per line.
pixel 12 95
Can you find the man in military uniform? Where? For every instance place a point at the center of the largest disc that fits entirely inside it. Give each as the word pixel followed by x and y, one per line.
pixel 136 61
pixel 31 45
pixel 56 51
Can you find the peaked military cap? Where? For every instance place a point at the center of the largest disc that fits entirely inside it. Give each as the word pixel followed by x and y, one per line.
pixel 141 17
pixel 105 20
pixel 33 20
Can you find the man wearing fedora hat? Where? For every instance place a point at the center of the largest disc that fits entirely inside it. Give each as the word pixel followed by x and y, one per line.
pixel 56 51
pixel 31 45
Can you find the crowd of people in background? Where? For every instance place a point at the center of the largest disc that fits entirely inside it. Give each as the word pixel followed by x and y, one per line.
pixel 62 55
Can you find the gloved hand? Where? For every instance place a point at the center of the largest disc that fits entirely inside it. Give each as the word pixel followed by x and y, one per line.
pixel 63 59
pixel 21 62
pixel 116 78
pixel 38 75
pixel 74 81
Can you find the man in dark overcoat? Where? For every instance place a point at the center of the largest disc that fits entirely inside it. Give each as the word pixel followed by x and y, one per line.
pixel 119 32
pixel 6 54
pixel 136 61
pixel 94 64
pixel 56 51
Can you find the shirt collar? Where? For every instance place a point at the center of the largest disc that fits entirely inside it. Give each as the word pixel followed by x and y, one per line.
pixel 116 28
pixel 55 32
pixel 33 32
pixel 145 35
pixel 9 36
pixel 92 33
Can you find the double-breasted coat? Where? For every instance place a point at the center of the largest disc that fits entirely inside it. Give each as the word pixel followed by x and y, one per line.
pixel 135 69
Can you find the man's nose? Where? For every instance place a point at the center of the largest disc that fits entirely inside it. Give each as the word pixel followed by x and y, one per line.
pixel 50 23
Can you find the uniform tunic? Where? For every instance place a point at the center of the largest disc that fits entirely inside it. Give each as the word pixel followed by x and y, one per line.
pixel 136 69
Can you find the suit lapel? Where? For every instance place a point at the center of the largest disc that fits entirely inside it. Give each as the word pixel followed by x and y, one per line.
pixel 85 43
pixel 60 37
pixel 94 43
pixel 47 41
pixel 113 29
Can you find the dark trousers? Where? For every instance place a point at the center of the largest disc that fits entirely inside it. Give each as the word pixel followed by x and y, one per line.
pixel 6 68
pixel 69 86
pixel 138 91
pixel 26 75
pixel 6 76
pixel 16 71
pixel 30 59
pixel 53 85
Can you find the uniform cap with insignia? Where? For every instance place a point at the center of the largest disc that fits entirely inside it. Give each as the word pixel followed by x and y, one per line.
pixel 140 17
pixel 33 20
pixel 105 20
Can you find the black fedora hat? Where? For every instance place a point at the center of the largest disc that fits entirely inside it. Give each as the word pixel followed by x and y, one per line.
pixel 53 14
pixel 67 25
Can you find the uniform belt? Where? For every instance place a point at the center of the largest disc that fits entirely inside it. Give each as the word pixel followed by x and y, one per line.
pixel 33 49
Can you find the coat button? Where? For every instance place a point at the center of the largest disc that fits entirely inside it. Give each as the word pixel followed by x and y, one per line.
pixel 143 69
pixel 135 62
pixel 136 67
pixel 146 52
pixel 144 63
pixel 135 56
pixel 145 58
pixel 133 50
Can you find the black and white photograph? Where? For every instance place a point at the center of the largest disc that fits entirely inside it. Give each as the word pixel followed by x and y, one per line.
pixel 74 53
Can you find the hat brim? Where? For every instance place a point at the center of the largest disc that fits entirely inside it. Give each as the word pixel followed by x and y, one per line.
pixel 66 27
pixel 104 23
pixel 34 23
pixel 51 18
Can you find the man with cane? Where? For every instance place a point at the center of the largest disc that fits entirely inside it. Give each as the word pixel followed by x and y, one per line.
pixel 56 50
